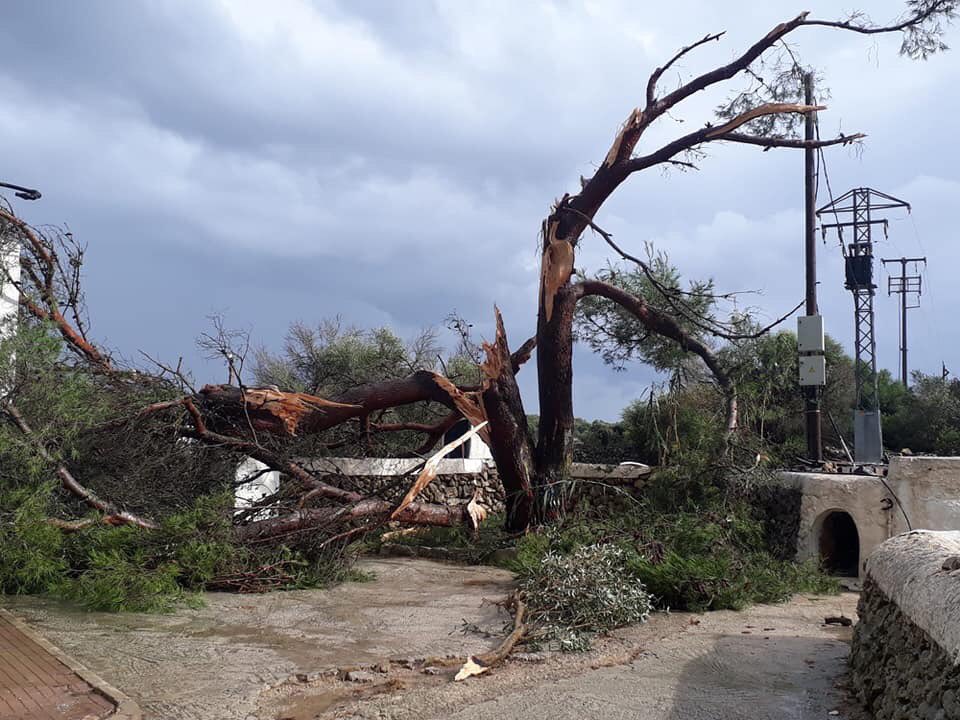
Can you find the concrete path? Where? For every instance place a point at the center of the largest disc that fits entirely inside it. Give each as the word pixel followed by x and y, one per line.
pixel 770 662
pixel 214 663
pixel 237 658
pixel 38 682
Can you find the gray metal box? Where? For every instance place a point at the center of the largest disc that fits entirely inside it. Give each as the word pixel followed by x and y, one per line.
pixel 813 370
pixel 867 437
pixel 810 333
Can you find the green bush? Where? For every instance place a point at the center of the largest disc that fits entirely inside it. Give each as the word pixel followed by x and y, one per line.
pixel 694 542
pixel 131 569
pixel 571 596
pixel 31 550
pixel 115 582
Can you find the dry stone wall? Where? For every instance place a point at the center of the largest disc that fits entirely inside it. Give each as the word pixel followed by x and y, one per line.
pixel 458 479
pixel 905 657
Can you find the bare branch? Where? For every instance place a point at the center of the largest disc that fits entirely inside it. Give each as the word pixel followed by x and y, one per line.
pixel 796 143
pixel 42 267
pixel 658 73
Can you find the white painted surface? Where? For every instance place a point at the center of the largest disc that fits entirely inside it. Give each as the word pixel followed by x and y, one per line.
pixel 927 487
pixel 9 297
pixel 261 482
pixel 909 571
pixel 477 449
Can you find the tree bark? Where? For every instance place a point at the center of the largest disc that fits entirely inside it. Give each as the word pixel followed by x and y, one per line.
pixel 511 444
pixel 291 414
pixel 554 456
pixel 367 509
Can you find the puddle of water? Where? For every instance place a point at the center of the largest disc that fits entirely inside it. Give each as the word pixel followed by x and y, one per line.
pixel 308 707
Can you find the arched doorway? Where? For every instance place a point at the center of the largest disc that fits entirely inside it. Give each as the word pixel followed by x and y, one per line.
pixel 840 544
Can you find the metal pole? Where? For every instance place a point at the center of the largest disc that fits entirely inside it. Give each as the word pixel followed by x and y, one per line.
pixel 903 285
pixel 903 326
pixel 811 393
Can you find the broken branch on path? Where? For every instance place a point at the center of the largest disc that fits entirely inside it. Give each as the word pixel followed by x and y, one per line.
pixel 481 663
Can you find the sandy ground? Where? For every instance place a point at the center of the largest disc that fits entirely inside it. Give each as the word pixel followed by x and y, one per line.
pixel 238 657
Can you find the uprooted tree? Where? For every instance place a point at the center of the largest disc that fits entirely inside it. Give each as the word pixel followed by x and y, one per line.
pixel 276 426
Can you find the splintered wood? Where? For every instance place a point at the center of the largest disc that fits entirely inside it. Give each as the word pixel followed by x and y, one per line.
pixel 430 469
pixel 556 267
pixel 286 408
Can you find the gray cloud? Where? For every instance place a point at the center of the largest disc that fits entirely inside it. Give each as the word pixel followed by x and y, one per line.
pixel 391 162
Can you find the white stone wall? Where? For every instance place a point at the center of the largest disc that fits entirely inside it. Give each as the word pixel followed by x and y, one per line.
pixel 909 569
pixel 905 655
pixel 929 488
pixel 461 476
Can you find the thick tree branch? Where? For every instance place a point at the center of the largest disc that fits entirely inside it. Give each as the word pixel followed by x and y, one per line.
pixel 367 508
pixel 796 143
pixel 668 293
pixel 666 326
pixel 511 444
pixel 712 134
pixel 724 72
pixel 658 73
pixel 292 414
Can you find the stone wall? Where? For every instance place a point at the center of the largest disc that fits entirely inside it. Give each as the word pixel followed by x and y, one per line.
pixel 458 479
pixel 905 657
pixel 777 507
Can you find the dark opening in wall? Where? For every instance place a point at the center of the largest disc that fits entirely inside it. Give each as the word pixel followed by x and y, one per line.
pixel 840 545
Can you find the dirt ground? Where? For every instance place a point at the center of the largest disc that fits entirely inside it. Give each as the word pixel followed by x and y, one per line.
pixel 274 657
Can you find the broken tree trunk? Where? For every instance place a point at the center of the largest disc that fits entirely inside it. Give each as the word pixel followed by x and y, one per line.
pixel 367 509
pixel 510 441
pixel 290 414
pixel 554 457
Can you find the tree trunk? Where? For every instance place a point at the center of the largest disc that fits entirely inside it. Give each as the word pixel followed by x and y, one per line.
pixel 555 432
pixel 290 414
pixel 511 444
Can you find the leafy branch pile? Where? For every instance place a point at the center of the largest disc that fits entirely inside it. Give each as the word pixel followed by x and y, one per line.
pixel 572 596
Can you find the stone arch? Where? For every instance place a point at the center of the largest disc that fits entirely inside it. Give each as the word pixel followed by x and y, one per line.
pixel 838 542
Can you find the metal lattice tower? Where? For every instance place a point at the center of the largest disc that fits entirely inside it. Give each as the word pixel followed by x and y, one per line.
pixel 859 204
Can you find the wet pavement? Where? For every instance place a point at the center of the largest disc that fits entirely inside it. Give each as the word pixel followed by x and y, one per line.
pixel 213 663
pixel 36 684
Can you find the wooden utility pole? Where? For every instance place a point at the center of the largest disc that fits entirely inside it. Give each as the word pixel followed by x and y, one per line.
pixel 811 392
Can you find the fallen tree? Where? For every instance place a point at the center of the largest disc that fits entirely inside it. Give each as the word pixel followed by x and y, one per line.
pixel 266 422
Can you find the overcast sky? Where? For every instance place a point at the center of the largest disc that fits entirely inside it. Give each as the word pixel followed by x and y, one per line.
pixel 391 162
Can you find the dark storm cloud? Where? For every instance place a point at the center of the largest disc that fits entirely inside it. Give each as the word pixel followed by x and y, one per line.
pixel 391 162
